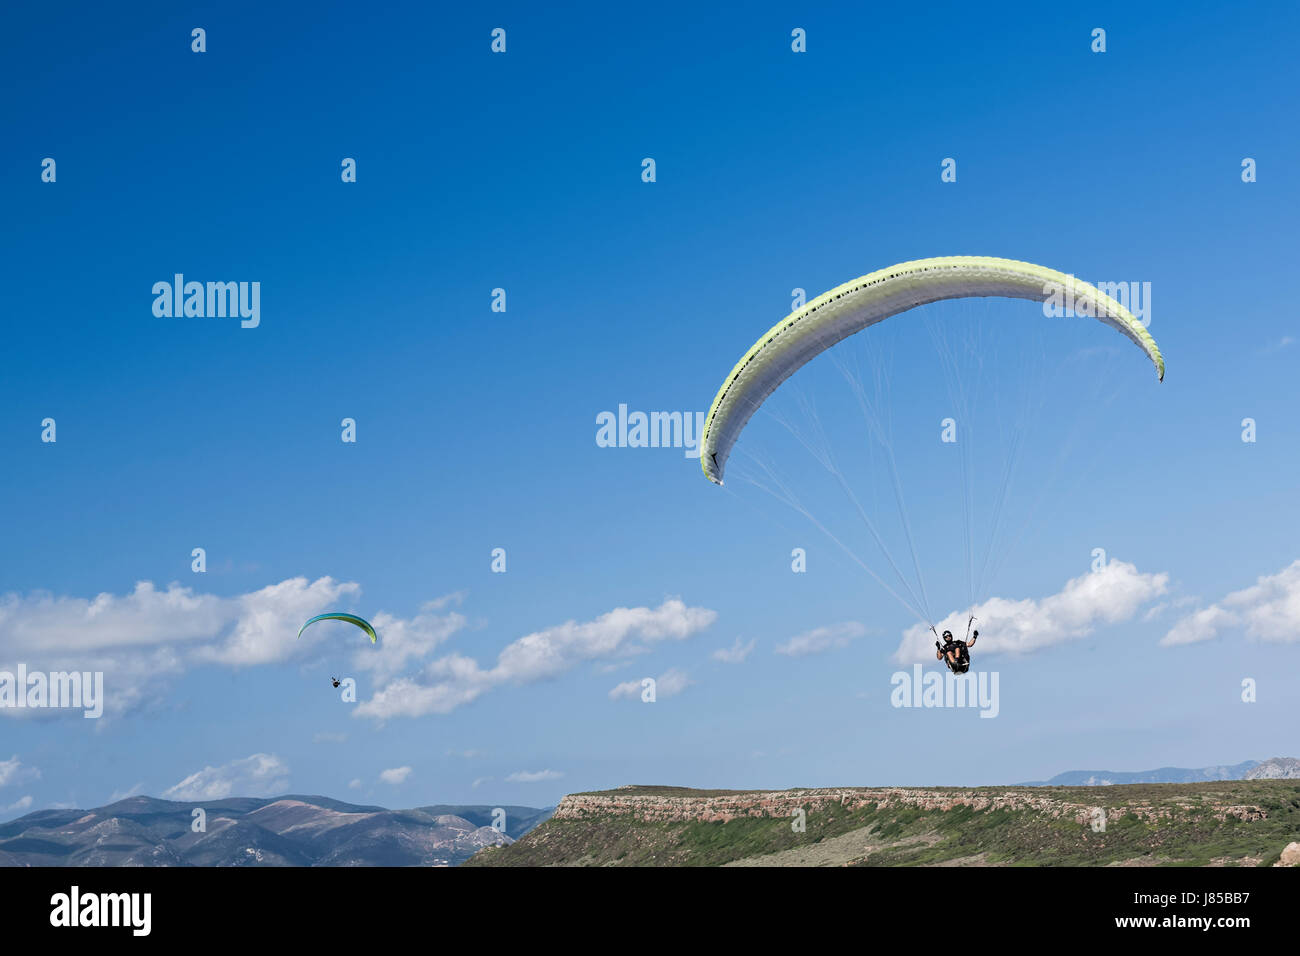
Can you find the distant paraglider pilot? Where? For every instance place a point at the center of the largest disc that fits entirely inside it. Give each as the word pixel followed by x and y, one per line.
pixel 335 681
pixel 956 654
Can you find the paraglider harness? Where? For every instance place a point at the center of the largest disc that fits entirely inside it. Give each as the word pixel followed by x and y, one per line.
pixel 962 664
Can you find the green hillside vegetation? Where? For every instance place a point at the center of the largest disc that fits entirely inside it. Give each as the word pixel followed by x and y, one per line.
pixel 1240 823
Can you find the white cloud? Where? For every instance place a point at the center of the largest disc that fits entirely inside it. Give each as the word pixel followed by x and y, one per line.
pixel 438 603
pixel 533 776
pixel 671 683
pixel 1269 610
pixel 406 697
pixel 821 639
pixel 455 680
pixel 22 803
pixel 12 771
pixel 1201 625
pixel 404 641
pixel 1156 610
pixel 142 639
pixel 123 794
pixel 145 639
pixel 1109 595
pixel 621 631
pixel 668 684
pixel 628 690
pixel 143 618
pixel 734 654
pixel 395 775
pixel 265 628
pixel 354 783
pixel 259 775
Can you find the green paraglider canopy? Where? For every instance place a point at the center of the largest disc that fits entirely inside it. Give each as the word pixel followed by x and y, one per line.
pixel 340 616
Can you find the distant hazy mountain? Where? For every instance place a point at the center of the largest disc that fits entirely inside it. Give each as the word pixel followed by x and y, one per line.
pixel 1276 768
pixel 248 831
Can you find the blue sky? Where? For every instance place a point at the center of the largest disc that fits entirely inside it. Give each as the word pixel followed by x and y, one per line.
pixel 477 429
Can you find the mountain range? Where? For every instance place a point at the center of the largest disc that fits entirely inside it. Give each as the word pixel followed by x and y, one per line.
pixel 252 831
pixel 1276 768
pixel 319 831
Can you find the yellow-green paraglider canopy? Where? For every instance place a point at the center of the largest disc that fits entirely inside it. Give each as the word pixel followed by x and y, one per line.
pixel 834 316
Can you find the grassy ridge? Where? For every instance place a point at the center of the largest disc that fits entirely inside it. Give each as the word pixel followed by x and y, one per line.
pixel 1148 824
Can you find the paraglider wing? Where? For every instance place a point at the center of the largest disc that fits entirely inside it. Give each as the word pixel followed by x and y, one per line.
pixel 837 314
pixel 339 616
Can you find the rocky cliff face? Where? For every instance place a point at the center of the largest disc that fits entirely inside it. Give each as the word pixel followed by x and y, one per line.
pixel 724 807
pixel 1276 768
pixel 1211 823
